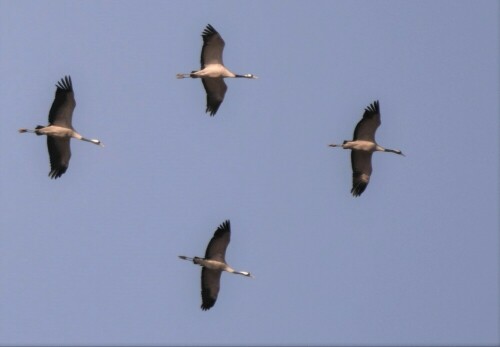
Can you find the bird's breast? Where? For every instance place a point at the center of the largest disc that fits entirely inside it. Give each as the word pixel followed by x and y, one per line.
pixel 214 71
pixel 360 145
pixel 56 131
pixel 210 264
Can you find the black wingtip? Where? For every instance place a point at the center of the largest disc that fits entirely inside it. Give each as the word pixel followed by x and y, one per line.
pixel 209 31
pixel 56 173
pixel 211 111
pixel 207 305
pixel 65 84
pixel 225 225
pixel 358 189
pixel 373 108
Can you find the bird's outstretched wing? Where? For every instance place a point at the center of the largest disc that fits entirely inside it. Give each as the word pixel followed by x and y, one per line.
pixel 210 285
pixel 59 154
pixel 213 45
pixel 366 127
pixel 361 170
pixel 61 112
pixel 216 90
pixel 217 246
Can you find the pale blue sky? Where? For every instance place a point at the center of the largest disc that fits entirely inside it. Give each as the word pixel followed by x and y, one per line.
pixel 91 258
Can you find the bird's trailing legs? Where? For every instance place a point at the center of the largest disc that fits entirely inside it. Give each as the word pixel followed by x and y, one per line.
pixel 336 145
pixel 28 131
pixel 187 75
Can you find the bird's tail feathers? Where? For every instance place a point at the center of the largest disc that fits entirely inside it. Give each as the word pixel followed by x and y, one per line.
pixel 39 127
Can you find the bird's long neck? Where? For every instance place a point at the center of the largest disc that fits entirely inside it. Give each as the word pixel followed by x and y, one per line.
pixel 243 273
pixel 248 75
pixel 396 151
pixel 94 141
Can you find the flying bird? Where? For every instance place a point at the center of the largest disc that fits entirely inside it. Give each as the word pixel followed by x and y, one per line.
pixel 213 264
pixel 362 146
pixel 213 71
pixel 60 131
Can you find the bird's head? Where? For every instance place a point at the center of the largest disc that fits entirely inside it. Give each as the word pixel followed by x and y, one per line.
pixel 248 274
pixel 97 142
pixel 397 151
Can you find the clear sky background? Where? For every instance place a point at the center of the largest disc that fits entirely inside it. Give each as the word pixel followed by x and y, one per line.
pixel 91 258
